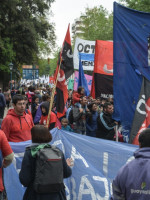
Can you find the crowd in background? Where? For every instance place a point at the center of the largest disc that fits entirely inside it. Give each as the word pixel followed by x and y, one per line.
pixel 83 115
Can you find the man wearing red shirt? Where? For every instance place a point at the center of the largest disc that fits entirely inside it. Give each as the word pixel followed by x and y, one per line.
pixel 17 124
pixel 8 155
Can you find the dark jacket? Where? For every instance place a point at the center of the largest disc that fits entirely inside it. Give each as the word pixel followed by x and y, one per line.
pixel 133 179
pixel 79 118
pixel 2 100
pixel 33 109
pixel 105 126
pixel 27 174
pixel 91 124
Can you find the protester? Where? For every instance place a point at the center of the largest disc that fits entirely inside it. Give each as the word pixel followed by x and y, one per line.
pixel 30 93
pixel 40 138
pixel 8 156
pixel 2 104
pixel 91 120
pixel 76 96
pixel 34 105
pixel 65 126
pixel 79 112
pixel 17 124
pixel 105 123
pixel 69 100
pixel 27 110
pixel 13 92
pixel 53 117
pixel 39 111
pixel 133 179
pixel 37 93
pixel 7 96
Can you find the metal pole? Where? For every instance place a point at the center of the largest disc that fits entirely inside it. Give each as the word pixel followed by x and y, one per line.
pixel 116 131
pixel 10 80
pixel 14 80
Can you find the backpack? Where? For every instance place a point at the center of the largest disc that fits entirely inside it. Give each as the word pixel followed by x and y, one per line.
pixel 48 170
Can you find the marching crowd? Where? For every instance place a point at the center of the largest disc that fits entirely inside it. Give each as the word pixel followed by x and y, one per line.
pixel 83 115
pixel 27 120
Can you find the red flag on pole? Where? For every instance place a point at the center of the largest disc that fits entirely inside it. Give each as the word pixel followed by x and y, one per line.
pixel 66 69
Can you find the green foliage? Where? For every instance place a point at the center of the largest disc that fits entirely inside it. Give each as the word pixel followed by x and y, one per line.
pixel 25 31
pixel 53 61
pixel 141 5
pixel 96 24
pixel 7 53
pixel 48 69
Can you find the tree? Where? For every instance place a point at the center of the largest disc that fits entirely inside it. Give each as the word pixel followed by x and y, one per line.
pixel 96 24
pixel 47 67
pixel 141 5
pixel 24 27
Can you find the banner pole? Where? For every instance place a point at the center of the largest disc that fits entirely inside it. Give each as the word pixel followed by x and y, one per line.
pixel 116 130
pixel 52 96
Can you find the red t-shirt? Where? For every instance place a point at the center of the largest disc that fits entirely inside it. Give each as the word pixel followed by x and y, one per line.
pixel 6 150
pixel 53 118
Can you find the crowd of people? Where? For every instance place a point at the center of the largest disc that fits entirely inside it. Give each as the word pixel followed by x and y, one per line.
pixel 27 120
pixel 83 115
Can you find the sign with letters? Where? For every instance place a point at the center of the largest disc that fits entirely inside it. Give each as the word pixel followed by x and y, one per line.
pixel 87 48
pixel 30 72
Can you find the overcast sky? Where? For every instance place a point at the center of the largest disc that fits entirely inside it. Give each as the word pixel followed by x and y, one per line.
pixel 66 11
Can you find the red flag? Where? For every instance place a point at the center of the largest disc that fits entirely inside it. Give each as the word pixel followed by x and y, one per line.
pixel 66 69
pixel 141 119
pixel 102 82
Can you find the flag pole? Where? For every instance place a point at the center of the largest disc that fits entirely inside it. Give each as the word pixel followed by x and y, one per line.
pixel 116 131
pixel 52 96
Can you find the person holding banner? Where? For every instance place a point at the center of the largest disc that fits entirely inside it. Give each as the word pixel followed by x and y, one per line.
pixel 41 137
pixel 105 123
pixel 133 179
pixel 91 120
pixel 79 112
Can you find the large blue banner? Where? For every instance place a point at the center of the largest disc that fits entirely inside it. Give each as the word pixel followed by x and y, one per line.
pixel 131 33
pixel 96 163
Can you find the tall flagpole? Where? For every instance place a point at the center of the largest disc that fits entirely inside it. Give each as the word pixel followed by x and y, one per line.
pixel 52 95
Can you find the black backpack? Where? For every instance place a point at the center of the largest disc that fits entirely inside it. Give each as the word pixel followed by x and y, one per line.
pixel 48 170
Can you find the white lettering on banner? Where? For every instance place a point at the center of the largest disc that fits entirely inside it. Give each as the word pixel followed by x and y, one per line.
pixel 17 155
pixel 88 191
pixel 67 192
pixel 58 142
pixel 140 102
pixel 86 48
pixel 73 188
pixel 105 163
pixel 60 79
pixel 69 54
pixel 88 63
pixel 77 155
pixel 108 71
pixel 104 180
pixel 106 95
